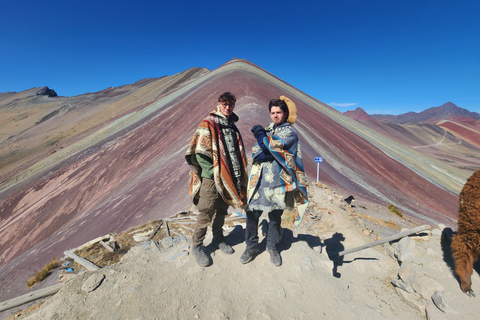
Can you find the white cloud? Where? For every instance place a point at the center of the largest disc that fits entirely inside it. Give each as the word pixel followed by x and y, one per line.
pixel 342 105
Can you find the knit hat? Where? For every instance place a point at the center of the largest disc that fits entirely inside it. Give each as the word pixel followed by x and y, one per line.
pixel 292 109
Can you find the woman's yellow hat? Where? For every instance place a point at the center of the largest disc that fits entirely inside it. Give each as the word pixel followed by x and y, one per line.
pixel 292 109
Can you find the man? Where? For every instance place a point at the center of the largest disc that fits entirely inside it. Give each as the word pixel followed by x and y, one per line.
pixel 218 176
pixel 277 179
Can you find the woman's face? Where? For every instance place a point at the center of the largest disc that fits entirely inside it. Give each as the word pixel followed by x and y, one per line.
pixel 277 115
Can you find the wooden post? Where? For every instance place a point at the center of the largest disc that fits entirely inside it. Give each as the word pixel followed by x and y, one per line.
pixel 166 228
pixel 382 241
pixel 154 232
pixel 84 262
pixel 29 297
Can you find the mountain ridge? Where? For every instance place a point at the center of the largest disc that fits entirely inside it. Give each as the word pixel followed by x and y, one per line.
pixel 446 111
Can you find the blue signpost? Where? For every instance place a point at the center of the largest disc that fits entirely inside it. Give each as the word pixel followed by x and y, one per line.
pixel 318 160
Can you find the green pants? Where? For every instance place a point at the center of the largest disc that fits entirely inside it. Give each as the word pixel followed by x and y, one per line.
pixel 210 206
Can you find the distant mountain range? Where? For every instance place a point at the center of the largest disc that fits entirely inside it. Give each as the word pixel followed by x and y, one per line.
pixel 447 111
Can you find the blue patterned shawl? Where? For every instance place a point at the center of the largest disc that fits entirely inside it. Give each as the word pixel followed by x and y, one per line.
pixel 282 183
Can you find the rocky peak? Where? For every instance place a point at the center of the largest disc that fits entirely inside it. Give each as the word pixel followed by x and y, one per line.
pixel 358 114
pixel 46 91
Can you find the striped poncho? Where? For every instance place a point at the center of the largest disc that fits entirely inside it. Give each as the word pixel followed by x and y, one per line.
pixel 279 184
pixel 230 175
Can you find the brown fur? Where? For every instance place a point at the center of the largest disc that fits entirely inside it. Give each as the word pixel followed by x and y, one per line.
pixel 466 243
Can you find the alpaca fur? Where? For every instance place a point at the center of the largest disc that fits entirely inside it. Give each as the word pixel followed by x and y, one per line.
pixel 466 243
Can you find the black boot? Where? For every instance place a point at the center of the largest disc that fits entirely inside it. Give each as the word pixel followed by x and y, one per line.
pixel 222 245
pixel 201 256
pixel 248 255
pixel 275 257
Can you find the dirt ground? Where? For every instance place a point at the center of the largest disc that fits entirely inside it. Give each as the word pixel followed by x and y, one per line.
pixel 160 280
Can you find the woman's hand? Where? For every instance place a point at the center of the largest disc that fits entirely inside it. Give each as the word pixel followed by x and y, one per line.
pixel 258 131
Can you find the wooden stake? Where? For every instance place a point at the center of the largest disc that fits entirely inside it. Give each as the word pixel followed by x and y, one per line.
pixel 154 232
pixel 382 241
pixel 166 228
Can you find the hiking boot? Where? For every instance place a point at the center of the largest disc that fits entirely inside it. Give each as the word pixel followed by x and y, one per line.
pixel 275 257
pixel 224 247
pixel 248 255
pixel 200 256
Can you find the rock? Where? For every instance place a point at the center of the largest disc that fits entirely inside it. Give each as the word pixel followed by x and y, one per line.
pixel 46 91
pixel 423 236
pixel 433 313
pixel 404 249
pixel 425 286
pixel 390 250
pixel 147 245
pixel 383 264
pixel 93 282
pixel 413 299
pixel 400 284
pixel 167 242
pixel 441 303
pixel 406 272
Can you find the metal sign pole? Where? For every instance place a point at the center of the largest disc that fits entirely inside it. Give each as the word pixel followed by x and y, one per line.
pixel 318 160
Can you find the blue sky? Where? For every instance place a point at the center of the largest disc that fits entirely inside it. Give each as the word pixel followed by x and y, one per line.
pixel 383 56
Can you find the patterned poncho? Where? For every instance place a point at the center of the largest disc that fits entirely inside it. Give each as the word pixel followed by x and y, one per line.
pixel 212 139
pixel 281 183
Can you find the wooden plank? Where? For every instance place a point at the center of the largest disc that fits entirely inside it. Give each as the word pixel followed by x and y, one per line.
pixel 89 243
pixel 176 219
pixel 178 234
pixel 184 222
pixel 154 232
pixel 187 228
pixel 382 241
pixel 106 246
pixel 81 261
pixel 29 297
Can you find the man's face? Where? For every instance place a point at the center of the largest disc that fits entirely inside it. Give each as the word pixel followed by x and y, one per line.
pixel 277 115
pixel 226 109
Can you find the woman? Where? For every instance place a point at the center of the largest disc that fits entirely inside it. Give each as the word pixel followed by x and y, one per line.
pixel 277 180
